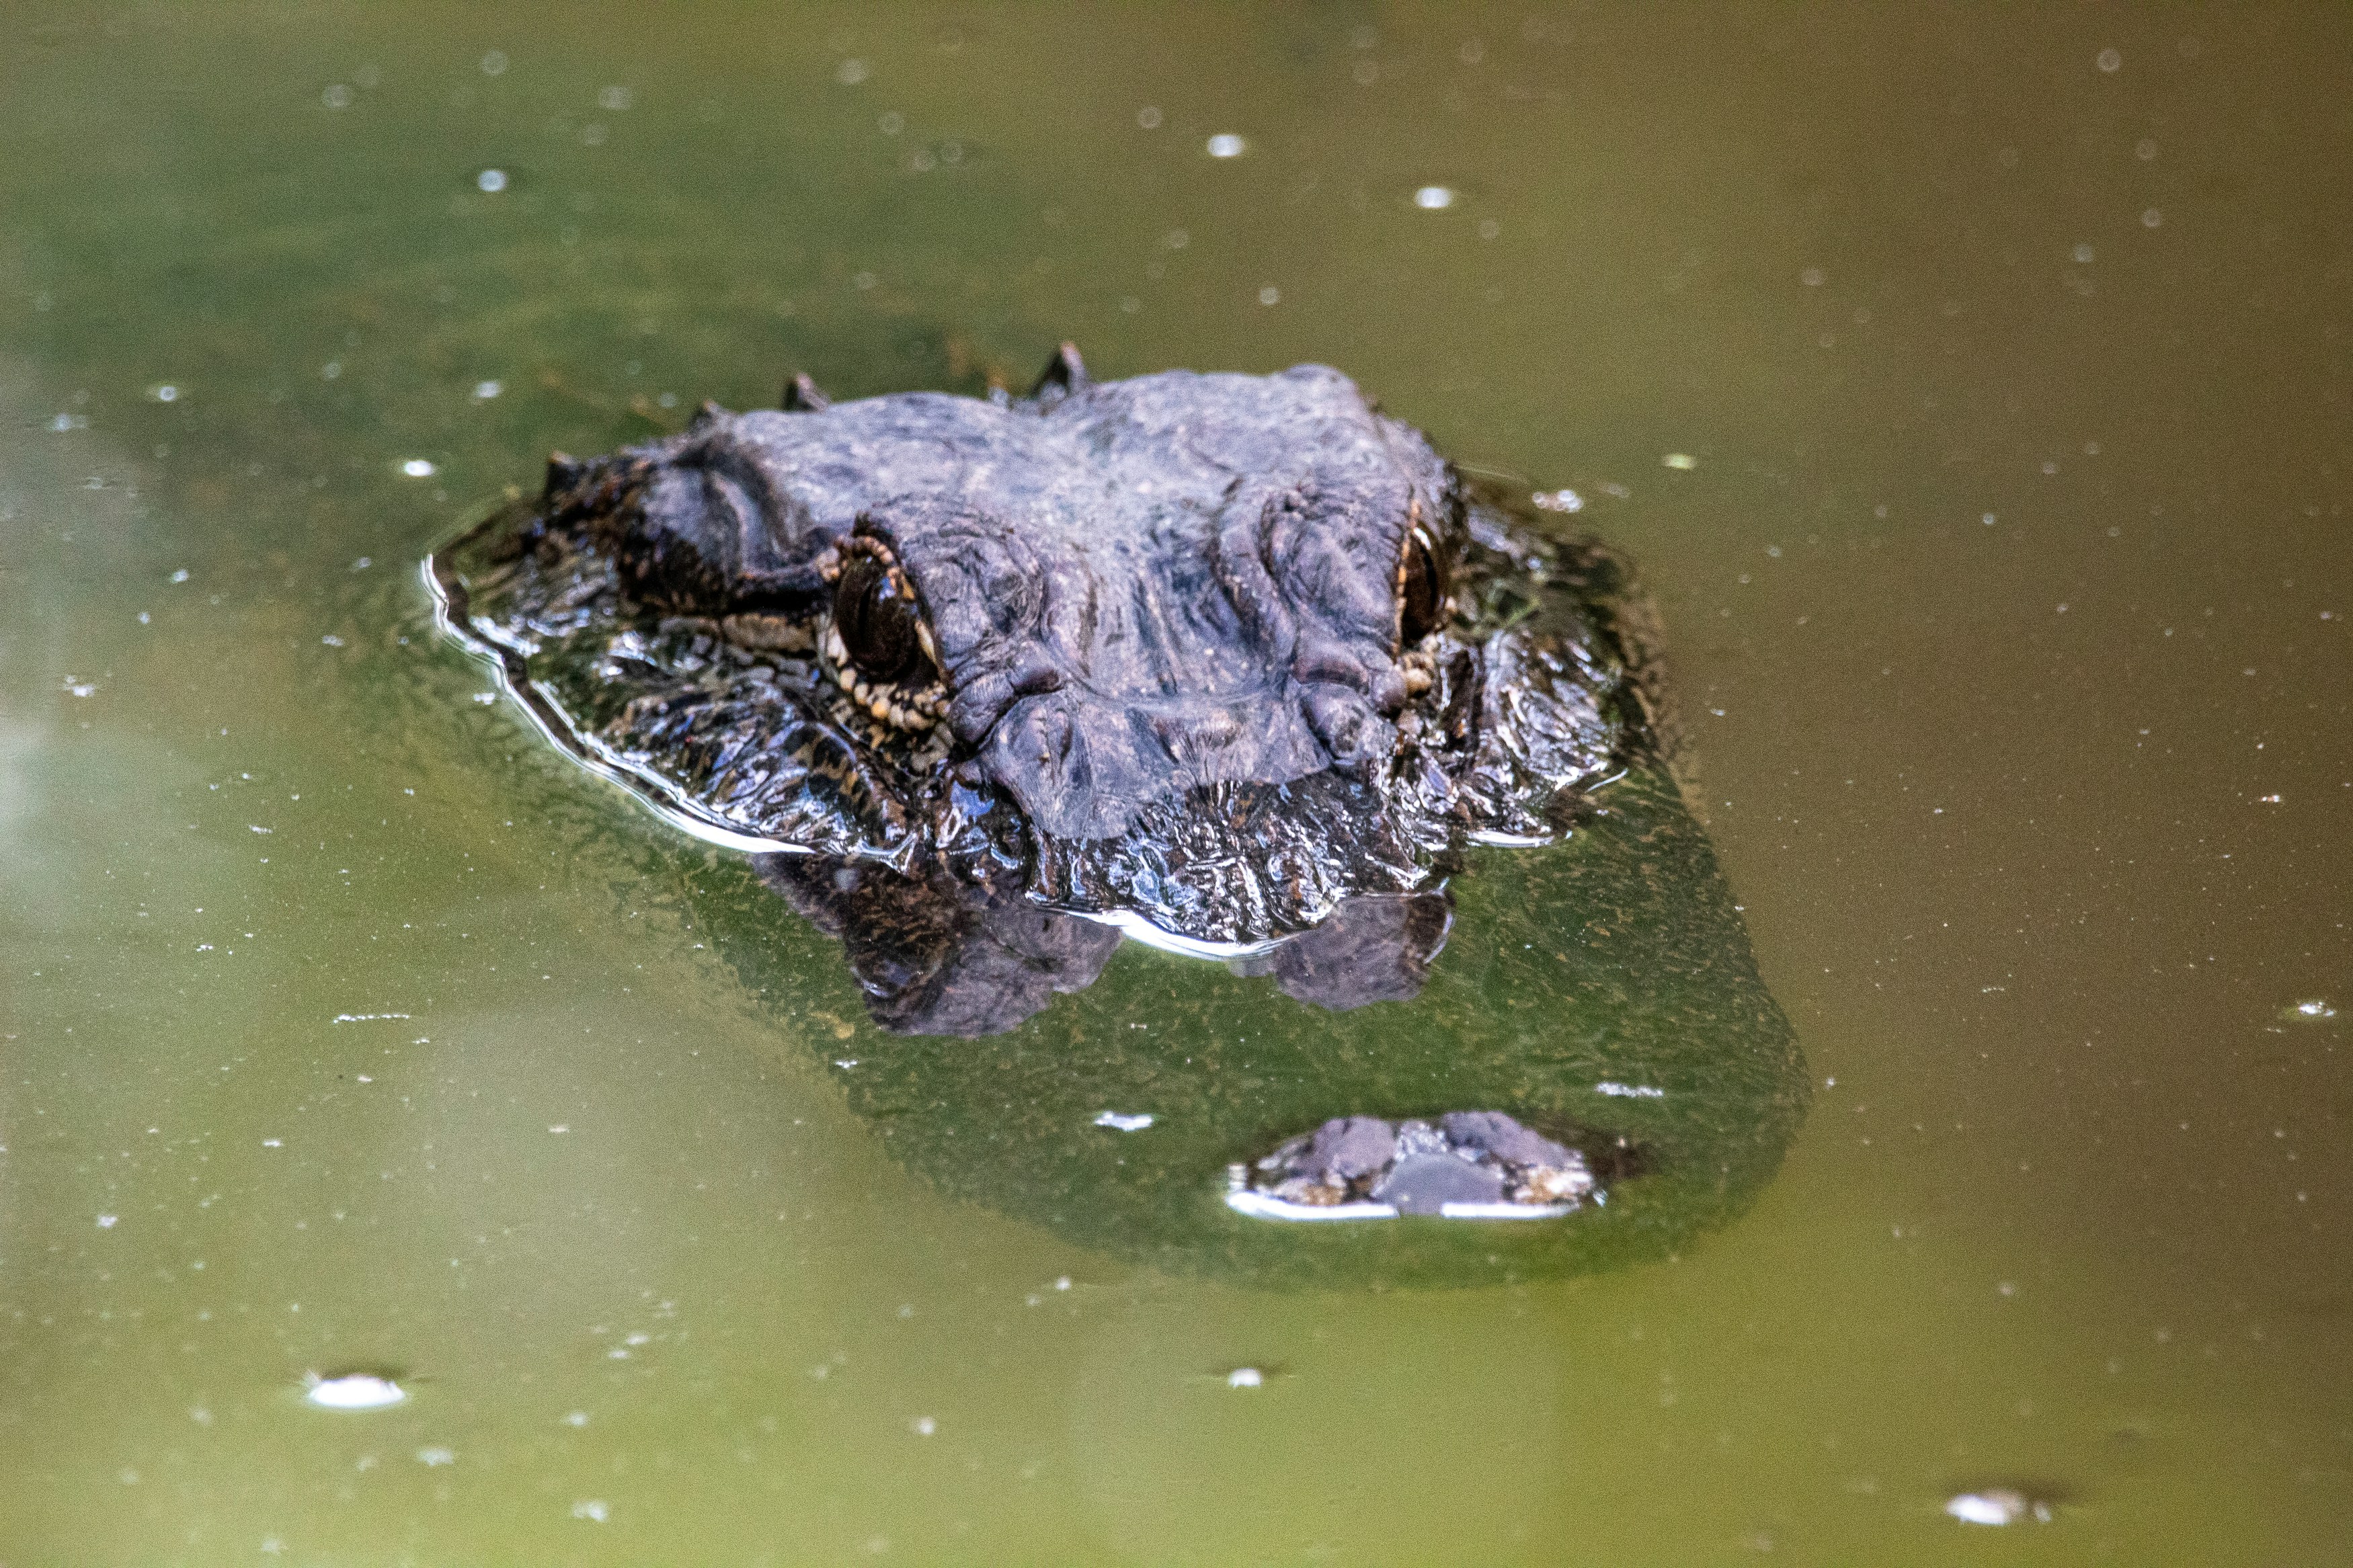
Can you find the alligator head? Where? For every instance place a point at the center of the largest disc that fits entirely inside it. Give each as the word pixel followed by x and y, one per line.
pixel 1199 655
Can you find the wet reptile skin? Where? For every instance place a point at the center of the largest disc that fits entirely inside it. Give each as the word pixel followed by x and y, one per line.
pixel 1199 655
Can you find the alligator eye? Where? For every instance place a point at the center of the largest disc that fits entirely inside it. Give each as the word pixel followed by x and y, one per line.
pixel 1421 589
pixel 877 620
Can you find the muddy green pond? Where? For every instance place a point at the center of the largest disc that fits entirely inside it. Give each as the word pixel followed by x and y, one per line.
pixel 415 1150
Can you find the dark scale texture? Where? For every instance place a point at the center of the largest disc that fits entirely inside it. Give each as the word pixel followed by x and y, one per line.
pixel 1164 642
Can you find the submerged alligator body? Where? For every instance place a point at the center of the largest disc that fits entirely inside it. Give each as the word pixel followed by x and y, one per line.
pixel 1204 656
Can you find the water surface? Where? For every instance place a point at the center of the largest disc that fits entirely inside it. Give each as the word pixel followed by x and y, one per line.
pixel 347 1029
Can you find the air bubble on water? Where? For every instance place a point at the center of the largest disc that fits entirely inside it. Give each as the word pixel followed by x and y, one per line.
pixel 2083 255
pixel 1270 295
pixel 615 99
pixel 1812 277
pixel 166 393
pixel 1557 500
pixel 494 63
pixel 108 1221
pixel 353 1391
pixel 891 122
pixel 491 181
pixel 1997 1505
pixel 2314 1009
pixel 486 390
pixel 2151 218
pixel 1135 1124
pixel 849 73
pixel 1245 1377
pixel 923 1425
pixel 418 469
pixel 1148 118
pixel 433 1458
pixel 594 1510
pixel 2109 60
pixel 1226 144
pixel 337 97
pixel 577 1419
pixel 1683 460
pixel 1433 198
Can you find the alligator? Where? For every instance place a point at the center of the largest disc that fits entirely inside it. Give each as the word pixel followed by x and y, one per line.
pixel 1213 659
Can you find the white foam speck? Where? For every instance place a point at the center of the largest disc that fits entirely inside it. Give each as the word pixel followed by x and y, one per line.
pixel 1226 144
pixel 1997 1505
pixel 434 1458
pixel 593 1509
pixel 491 181
pixel 1433 198
pixel 1245 1377
pixel 1629 1090
pixel 418 469
pixel 486 390
pixel 353 1391
pixel 1135 1124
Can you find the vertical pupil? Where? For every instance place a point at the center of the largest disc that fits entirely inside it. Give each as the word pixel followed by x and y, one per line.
pixel 1422 593
pixel 877 622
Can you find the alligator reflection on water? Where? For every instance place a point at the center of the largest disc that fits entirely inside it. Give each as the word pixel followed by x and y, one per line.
pixel 1601 993
pixel 936 955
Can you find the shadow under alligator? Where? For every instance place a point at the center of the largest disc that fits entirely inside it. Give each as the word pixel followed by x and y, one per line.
pixel 1601 993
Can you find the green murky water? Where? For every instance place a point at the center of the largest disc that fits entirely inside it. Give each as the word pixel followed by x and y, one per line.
pixel 346 1027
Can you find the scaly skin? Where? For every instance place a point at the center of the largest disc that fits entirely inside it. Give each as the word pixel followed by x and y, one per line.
pixel 1199 655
